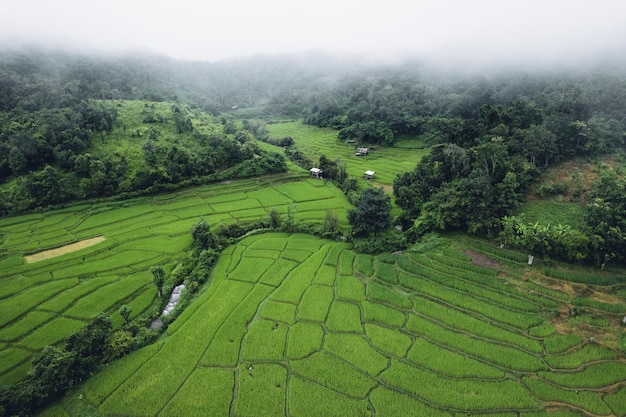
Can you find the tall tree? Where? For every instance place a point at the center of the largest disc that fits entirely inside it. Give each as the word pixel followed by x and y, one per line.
pixel 372 213
pixel 158 278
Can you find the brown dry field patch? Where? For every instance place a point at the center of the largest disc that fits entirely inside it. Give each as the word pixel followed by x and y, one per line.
pixel 72 247
pixel 482 260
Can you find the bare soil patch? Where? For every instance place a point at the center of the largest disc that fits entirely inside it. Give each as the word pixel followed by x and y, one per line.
pixel 73 247
pixel 482 260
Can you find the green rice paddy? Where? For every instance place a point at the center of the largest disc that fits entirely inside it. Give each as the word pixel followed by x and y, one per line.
pixel 43 302
pixel 354 345
pixel 294 325
pixel 384 161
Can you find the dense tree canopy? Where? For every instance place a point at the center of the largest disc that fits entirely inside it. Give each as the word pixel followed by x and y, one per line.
pixel 491 133
pixel 372 213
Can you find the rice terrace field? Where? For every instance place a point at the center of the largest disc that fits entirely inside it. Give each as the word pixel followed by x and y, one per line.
pixel 43 301
pixel 300 326
pixel 295 325
pixel 385 161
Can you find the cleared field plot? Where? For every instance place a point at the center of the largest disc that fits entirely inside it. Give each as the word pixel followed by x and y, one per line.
pixel 311 338
pixel 73 247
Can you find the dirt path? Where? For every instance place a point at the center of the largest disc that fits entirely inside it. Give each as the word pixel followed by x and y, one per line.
pixel 73 247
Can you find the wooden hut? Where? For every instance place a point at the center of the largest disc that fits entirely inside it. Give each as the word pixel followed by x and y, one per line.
pixel 316 172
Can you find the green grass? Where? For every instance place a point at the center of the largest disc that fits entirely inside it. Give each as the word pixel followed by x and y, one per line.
pixel 25 325
pixel 380 313
pixel 357 351
pixel 501 355
pixel 12 357
pixel 377 292
pixel 264 341
pixel 467 394
pixel 50 333
pixel 449 363
pixel 391 341
pixel 391 403
pixel 595 375
pixel 304 339
pixel 386 162
pixel 344 317
pixel 617 402
pixel 315 303
pixel 350 288
pixel 204 383
pixel 332 372
pixel 277 311
pixel 261 390
pixel 588 353
pixel 561 342
pixel 553 212
pixel 308 399
pixel 587 400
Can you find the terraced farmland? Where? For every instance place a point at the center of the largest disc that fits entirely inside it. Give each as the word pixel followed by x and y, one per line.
pixel 314 141
pixel 42 302
pixel 341 334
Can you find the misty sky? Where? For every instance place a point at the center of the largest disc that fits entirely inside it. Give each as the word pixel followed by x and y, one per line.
pixel 542 31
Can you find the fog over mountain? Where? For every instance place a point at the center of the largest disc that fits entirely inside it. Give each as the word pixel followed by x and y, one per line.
pixel 456 32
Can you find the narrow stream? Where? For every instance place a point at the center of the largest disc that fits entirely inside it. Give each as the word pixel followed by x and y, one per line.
pixel 171 305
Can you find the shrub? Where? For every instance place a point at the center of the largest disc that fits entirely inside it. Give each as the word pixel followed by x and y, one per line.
pixel 389 242
pixel 548 190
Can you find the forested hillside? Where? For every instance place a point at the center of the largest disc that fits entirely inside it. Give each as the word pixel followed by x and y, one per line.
pixel 75 127
pixel 84 127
